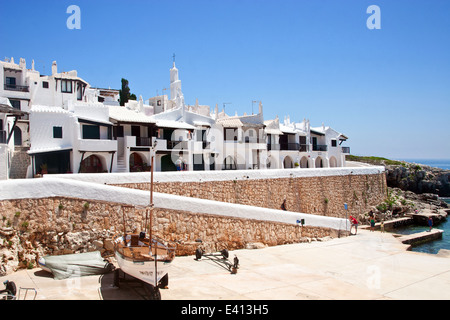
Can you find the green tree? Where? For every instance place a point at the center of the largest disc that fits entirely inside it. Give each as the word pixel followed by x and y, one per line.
pixel 124 93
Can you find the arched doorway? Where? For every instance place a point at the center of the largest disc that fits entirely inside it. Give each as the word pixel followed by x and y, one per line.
pixel 167 163
pixel 136 163
pixel 229 163
pixel 333 162
pixel 288 163
pixel 91 164
pixel 319 162
pixel 304 162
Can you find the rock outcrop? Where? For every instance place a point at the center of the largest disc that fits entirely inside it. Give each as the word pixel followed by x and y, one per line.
pixel 419 179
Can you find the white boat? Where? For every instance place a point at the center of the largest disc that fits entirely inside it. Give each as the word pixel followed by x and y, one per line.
pixel 137 258
pixel 143 259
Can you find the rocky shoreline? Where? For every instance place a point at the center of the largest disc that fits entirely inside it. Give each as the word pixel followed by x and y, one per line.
pixel 412 188
pixel 414 177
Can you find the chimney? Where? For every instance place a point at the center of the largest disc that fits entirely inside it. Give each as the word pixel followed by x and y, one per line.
pixel 54 68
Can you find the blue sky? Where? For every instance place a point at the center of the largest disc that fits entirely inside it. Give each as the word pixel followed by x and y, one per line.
pixel 388 90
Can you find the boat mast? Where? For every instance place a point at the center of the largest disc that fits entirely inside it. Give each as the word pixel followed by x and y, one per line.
pixel 152 156
pixel 151 201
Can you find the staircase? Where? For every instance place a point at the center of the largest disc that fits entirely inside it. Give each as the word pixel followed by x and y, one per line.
pixel 121 165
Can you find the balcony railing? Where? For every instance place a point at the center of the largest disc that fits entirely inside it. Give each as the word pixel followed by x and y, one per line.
pixel 15 87
pixel 143 142
pixel 346 150
pixel 177 145
pixel 271 146
pixel 320 147
pixel 304 147
pixel 289 146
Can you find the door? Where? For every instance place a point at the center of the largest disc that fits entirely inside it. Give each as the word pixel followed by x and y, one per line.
pixel 302 140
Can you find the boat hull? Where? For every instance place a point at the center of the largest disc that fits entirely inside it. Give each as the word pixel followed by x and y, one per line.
pixel 143 270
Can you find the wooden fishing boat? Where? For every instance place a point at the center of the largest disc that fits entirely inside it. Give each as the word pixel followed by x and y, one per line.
pixel 146 258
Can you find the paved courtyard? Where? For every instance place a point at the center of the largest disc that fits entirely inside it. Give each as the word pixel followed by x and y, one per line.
pixel 370 265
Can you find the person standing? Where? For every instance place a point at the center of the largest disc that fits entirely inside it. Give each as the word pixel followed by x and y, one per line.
pixel 430 223
pixel 354 223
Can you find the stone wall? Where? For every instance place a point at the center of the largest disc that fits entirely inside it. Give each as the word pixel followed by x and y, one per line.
pixel 31 228
pixel 323 195
pixel 19 163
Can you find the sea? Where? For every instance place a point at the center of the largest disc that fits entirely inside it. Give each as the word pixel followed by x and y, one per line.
pixel 432 247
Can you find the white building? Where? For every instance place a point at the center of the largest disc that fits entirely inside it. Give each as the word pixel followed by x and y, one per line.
pixel 9 117
pixel 73 139
pixel 75 128
pixel 299 145
pixel 67 129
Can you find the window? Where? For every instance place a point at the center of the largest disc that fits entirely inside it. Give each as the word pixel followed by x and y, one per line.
pixel 15 104
pixel 231 134
pixel 57 133
pixel 17 136
pixel 66 86
pixel 334 143
pixel 11 81
pixel 91 132
pixel 45 84
pixel 118 131
pixel 79 91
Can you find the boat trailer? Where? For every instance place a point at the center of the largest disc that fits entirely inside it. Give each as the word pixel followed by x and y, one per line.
pixel 220 258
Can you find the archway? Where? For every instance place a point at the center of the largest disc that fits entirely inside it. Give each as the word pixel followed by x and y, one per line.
pixel 91 164
pixel 229 163
pixel 319 162
pixel 333 162
pixel 288 163
pixel 136 163
pixel 304 162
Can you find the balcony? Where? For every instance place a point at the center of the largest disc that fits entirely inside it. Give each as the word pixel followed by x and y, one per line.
pixel 304 147
pixel 346 150
pixel 289 146
pixel 320 147
pixel 182 145
pixel 144 141
pixel 96 145
pixel 15 87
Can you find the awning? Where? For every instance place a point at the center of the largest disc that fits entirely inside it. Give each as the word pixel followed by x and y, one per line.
pixel 202 124
pixel 174 124
pixel 123 114
pixel 48 150
pixel 317 132
pixel 285 129
pixel 6 107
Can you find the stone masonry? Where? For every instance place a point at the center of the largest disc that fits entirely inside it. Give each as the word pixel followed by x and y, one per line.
pixel 31 228
pixel 316 195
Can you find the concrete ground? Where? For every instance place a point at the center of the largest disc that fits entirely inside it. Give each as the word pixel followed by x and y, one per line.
pixel 370 265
